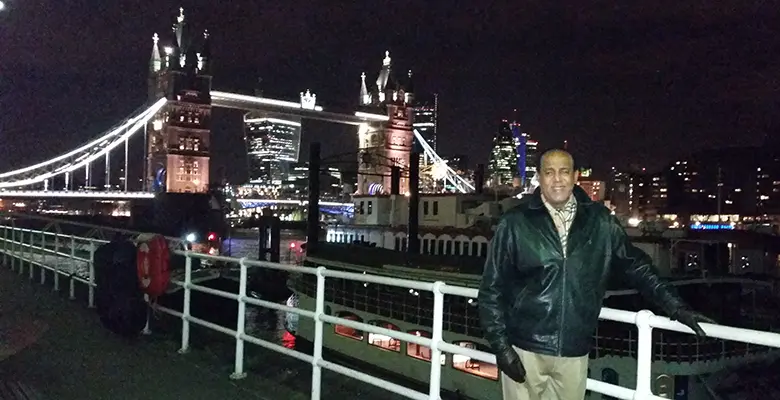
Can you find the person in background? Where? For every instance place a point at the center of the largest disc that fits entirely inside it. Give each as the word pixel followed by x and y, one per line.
pixel 544 281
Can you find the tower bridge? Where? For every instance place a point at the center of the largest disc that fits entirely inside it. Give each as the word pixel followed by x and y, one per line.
pixel 176 129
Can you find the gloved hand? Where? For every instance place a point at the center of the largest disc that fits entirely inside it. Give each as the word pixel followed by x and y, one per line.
pixel 692 319
pixel 510 364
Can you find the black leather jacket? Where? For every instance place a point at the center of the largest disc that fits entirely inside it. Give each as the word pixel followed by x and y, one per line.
pixel 533 297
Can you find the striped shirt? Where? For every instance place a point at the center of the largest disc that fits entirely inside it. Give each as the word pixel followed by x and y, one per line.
pixel 563 217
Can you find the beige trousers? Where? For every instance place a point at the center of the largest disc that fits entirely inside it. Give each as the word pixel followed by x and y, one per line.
pixel 548 378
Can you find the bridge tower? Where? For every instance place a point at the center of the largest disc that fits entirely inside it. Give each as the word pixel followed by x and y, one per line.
pixel 381 147
pixel 178 137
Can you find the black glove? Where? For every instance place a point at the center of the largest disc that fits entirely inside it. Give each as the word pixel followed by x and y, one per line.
pixel 509 363
pixel 692 319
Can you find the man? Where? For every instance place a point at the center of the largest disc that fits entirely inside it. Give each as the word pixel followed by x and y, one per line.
pixel 544 281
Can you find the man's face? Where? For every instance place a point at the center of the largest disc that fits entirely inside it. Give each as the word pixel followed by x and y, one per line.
pixel 557 178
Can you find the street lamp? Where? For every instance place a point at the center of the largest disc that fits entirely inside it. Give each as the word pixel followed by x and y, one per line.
pixel 2 5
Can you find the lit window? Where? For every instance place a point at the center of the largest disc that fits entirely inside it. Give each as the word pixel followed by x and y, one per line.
pixel 474 367
pixel 419 352
pixel 384 341
pixel 347 331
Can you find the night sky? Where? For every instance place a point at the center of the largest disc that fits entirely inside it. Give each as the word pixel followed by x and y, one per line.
pixel 624 84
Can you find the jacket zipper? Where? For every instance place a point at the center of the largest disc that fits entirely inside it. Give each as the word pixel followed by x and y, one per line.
pixel 563 295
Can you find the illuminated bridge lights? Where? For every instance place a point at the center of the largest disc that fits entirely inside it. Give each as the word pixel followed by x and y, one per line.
pixel 251 203
pixel 118 195
pixel 217 95
pixel 712 227
pixel 83 156
pixel 41 194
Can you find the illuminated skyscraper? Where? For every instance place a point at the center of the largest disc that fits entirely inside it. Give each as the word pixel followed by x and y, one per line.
pixel 273 143
pixel 502 165
pixel 526 149
pixel 426 119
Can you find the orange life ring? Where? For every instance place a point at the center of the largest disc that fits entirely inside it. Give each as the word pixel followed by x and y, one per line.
pixel 153 264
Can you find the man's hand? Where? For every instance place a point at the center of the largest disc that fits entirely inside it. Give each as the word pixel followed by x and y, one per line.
pixel 510 364
pixel 692 319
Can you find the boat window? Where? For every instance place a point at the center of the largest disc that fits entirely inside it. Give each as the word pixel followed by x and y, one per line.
pixel 346 330
pixel 384 341
pixel 474 367
pixel 419 352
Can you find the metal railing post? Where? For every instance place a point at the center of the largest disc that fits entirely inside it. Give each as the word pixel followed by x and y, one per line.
pixel 22 253
pixel 72 283
pixel 644 354
pixel 5 244
pixel 319 311
pixel 239 373
pixel 30 256
pixel 2 247
pixel 434 390
pixel 56 266
pixel 185 314
pixel 91 303
pixel 18 250
pixel 44 258
pixel 148 327
pixel 13 248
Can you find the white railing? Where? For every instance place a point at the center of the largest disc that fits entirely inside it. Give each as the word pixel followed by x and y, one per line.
pixel 40 247
pixel 645 321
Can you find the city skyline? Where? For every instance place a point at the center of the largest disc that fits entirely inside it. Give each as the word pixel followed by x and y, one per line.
pixel 555 104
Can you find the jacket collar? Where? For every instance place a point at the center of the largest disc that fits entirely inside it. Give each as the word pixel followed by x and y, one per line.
pixel 579 194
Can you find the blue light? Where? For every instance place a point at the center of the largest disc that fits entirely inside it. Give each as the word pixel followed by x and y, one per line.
pixel 521 152
pixel 712 227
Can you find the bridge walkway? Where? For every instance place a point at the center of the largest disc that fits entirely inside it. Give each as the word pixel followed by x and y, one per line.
pixel 78 359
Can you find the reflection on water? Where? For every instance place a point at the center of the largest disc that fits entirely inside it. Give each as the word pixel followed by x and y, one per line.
pixel 291 319
pixel 271 325
pixel 245 243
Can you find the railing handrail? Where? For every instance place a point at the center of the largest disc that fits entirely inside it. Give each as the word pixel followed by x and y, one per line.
pixel 178 241
pixel 644 320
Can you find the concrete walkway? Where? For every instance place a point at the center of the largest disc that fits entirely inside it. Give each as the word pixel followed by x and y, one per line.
pixel 78 359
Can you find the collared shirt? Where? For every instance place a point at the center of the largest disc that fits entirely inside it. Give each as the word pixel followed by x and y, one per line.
pixel 563 217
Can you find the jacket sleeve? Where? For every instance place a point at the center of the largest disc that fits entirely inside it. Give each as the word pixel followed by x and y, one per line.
pixel 492 298
pixel 637 266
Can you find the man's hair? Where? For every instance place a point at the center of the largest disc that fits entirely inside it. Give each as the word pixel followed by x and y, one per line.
pixel 555 150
